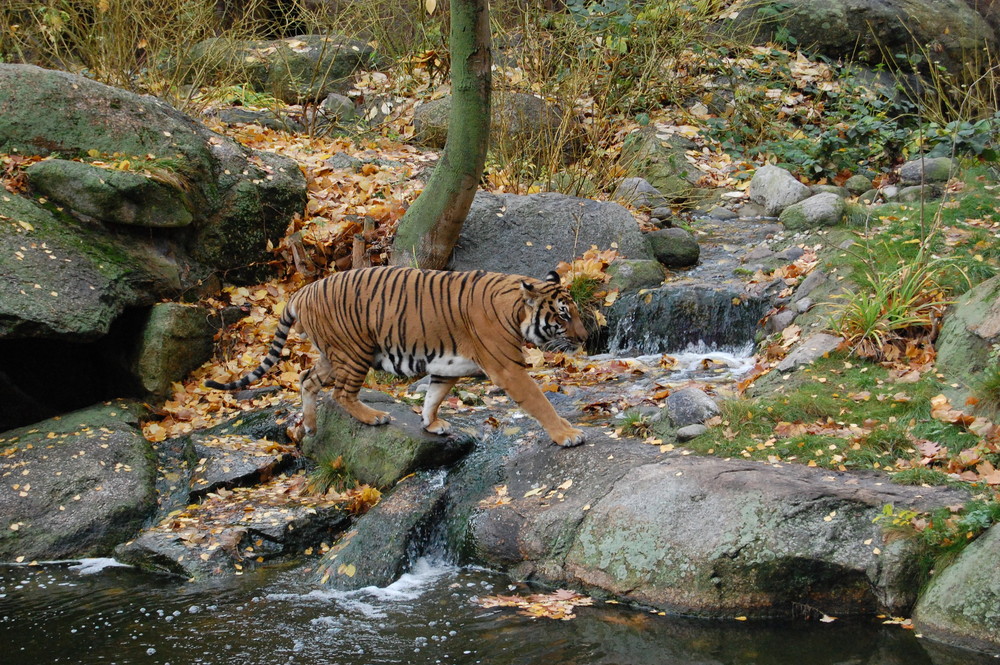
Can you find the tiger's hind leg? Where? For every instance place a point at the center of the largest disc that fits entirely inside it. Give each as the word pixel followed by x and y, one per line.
pixel 436 391
pixel 311 382
pixel 351 375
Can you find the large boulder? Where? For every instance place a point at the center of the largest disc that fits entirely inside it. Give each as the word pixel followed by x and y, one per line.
pixel 175 339
pixel 228 201
pixel 529 235
pixel 825 209
pixel 775 189
pixel 687 534
pixel 660 157
pixel 304 68
pixel 961 605
pixel 874 31
pixel 75 486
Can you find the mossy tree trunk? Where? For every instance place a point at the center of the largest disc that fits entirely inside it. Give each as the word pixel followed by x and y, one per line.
pixel 430 228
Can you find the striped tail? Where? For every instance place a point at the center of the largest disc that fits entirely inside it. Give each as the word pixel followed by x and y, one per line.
pixel 273 355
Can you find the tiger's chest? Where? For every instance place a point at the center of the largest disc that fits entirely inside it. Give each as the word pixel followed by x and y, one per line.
pixel 402 363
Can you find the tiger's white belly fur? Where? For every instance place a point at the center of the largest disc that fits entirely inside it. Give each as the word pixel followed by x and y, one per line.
pixel 443 365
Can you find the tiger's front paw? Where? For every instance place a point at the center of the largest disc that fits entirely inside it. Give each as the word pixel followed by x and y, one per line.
pixel 379 418
pixel 572 437
pixel 439 427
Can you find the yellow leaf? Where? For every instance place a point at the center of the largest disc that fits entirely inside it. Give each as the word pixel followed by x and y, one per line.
pixel 26 226
pixel 94 153
pixel 430 5
pixel 347 569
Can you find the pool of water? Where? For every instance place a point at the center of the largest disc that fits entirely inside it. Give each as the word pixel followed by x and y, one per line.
pixel 62 613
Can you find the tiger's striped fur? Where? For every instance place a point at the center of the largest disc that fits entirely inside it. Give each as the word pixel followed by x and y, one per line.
pixel 412 322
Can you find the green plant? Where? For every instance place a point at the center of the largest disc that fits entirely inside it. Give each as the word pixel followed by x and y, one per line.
pixel 636 424
pixel 987 390
pixel 330 473
pixel 921 476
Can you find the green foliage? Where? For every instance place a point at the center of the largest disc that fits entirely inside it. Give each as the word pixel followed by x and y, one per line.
pixel 635 424
pixel 330 473
pixel 987 390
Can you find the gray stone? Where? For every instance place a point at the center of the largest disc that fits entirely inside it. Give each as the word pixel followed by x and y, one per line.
pixel 961 604
pixel 691 432
pixel 517 117
pixel 345 161
pixel 779 321
pixel 830 189
pixel 869 197
pixel 803 305
pixel 222 465
pixel 663 214
pixel 380 455
pixel 75 486
pixel 790 254
pixel 721 213
pixel 927 170
pixel 637 192
pixel 751 211
pixel 917 193
pixel 340 107
pixel 775 189
pixel 175 339
pixel 529 235
pixel 269 119
pixel 816 211
pixel 858 184
pixel 690 406
pixel 758 253
pixel 674 247
pixel 970 329
pixel 810 350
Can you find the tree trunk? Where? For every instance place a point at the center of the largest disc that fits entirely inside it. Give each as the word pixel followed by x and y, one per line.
pixel 430 228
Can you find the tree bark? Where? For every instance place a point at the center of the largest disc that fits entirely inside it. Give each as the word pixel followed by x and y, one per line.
pixel 430 228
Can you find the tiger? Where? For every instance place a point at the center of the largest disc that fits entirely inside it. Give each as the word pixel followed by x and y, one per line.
pixel 411 322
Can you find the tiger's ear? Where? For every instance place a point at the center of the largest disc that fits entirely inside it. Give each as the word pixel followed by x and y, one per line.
pixel 529 292
pixel 553 277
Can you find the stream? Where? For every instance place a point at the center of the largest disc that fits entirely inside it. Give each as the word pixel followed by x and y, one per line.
pixel 94 612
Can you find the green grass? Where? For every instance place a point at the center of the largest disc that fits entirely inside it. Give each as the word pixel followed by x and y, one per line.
pixel 839 413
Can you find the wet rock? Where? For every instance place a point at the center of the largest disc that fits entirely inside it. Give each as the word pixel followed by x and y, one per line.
pixel 635 274
pixel 809 351
pixel 775 189
pixel 961 604
pixel 76 485
pixel 927 170
pixel 779 321
pixel 674 247
pixel 379 456
pixel 820 210
pixel 637 192
pixel 690 406
pixel 395 529
pixel 234 461
pixel 529 235
pixel 662 215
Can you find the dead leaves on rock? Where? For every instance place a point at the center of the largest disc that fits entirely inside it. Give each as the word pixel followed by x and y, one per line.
pixel 558 605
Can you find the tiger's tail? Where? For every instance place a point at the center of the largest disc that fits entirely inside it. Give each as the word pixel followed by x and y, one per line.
pixel 273 355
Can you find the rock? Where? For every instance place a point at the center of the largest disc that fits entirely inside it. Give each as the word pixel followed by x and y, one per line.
pixel 223 465
pixel 117 197
pixel 690 432
pixel 517 117
pixel 686 534
pixel 970 329
pixel 830 189
pixel 816 211
pixel 721 213
pixel 874 31
pixel 917 193
pixel 750 211
pixel 395 528
pixel 690 406
pixel 343 160
pixel 961 604
pixel 674 247
pixel 802 305
pixel 379 456
pixel 812 280
pixel 927 170
pixel 638 193
pixel 779 321
pixel 303 68
pixel 238 199
pixel 75 486
pixel 244 116
pixel 663 215
pixel 339 107
pixel 775 189
pixel 529 235
pixel 674 316
pixel 175 339
pixel 635 274
pixel 809 350
pixel 870 197
pixel 661 159
pixel 858 184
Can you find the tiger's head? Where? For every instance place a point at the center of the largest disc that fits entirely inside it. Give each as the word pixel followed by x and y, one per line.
pixel 551 318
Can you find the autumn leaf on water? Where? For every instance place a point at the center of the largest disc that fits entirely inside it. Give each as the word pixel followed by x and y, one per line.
pixel 556 605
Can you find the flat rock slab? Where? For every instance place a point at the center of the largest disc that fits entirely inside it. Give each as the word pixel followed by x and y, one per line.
pixel 231 531
pixel 687 534
pixel 74 486
pixel 235 461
